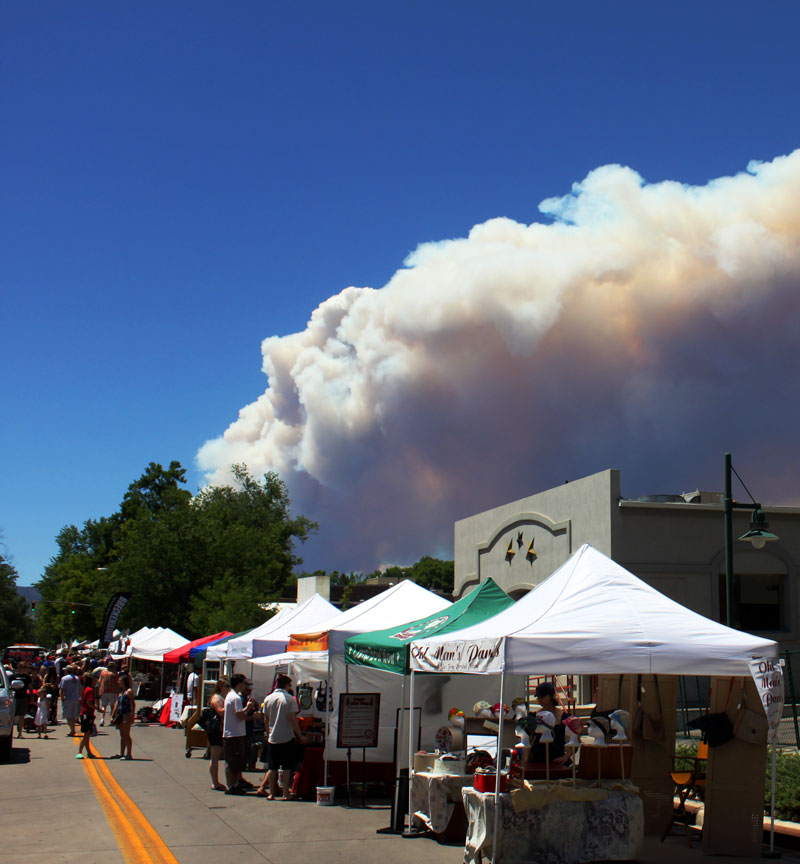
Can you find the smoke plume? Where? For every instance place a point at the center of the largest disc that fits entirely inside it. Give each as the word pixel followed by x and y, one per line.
pixel 646 327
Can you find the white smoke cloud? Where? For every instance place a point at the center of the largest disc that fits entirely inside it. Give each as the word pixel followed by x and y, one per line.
pixel 649 327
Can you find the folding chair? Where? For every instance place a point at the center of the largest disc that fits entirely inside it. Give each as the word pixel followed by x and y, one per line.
pixel 688 784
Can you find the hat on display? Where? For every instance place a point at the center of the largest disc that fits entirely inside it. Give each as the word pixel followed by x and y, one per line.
pixel 574 727
pixel 599 728
pixel 456 717
pixel 496 712
pixel 545 721
pixel 620 720
pixel 482 709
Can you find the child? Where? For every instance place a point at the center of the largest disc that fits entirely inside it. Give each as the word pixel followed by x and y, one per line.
pixel 42 711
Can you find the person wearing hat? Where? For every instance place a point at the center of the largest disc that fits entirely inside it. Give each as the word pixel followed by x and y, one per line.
pixel 548 700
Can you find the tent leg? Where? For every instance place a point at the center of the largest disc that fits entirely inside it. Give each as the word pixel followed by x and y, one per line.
pixel 499 761
pixel 327 716
pixel 410 830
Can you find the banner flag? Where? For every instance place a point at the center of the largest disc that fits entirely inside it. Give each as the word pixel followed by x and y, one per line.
pixel 768 676
pixel 115 606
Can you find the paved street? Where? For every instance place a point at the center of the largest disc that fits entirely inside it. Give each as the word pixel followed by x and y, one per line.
pixel 50 812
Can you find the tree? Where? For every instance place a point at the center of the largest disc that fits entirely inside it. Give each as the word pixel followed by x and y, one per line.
pixel 196 564
pixel 433 574
pixel 249 535
pixel 15 623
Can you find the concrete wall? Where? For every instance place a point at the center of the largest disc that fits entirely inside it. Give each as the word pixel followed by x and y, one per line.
pixel 557 522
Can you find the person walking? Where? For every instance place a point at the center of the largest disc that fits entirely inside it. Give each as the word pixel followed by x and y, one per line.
pixel 21 704
pixel 234 733
pixel 50 687
pixel 87 704
pixel 70 687
pixel 108 690
pixel 43 700
pixel 280 712
pixel 214 734
pixel 125 710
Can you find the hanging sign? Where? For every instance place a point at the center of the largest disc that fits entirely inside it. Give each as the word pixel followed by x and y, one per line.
pixel 768 676
pixel 359 714
pixel 308 642
pixel 481 656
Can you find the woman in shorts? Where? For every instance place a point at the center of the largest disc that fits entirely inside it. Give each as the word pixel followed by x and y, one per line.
pixel 86 716
pixel 125 710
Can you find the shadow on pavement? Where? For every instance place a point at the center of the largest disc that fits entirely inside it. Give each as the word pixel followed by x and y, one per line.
pixel 19 755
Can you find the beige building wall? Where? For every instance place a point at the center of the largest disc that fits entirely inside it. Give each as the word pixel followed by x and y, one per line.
pixel 676 547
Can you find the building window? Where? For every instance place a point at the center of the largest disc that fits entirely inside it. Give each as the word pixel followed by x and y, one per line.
pixel 758 601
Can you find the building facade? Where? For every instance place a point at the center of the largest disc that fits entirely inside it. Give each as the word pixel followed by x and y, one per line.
pixel 673 542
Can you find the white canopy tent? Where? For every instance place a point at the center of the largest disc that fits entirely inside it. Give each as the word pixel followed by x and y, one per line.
pixel 273 635
pixel 219 651
pixel 592 616
pixel 129 641
pixel 157 644
pixel 401 603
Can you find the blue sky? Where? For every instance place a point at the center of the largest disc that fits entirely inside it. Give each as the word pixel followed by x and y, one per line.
pixel 183 180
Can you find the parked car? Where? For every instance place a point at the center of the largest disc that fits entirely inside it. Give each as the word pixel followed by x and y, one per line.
pixel 7 706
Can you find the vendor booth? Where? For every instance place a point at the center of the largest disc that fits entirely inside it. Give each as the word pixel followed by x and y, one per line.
pixel 272 636
pixel 317 655
pixel 593 617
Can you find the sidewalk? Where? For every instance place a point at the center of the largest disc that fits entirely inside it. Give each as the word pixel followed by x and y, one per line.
pixel 49 812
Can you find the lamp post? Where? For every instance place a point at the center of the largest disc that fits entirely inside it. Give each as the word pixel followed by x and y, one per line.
pixel 758 534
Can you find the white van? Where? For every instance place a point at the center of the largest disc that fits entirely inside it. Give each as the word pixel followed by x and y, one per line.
pixel 7 706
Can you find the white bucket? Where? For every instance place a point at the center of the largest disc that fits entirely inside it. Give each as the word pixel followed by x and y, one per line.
pixel 325 795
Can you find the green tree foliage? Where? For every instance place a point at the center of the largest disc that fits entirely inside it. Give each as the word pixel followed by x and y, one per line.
pixel 15 623
pixel 197 564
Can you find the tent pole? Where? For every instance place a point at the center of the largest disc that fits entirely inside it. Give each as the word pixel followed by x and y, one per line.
pixel 410 749
pixel 499 761
pixel 772 808
pixel 327 715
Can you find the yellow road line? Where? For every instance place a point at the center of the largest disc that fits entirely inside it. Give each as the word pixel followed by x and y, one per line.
pixel 138 841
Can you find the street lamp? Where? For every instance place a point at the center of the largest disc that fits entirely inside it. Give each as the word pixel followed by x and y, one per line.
pixel 758 534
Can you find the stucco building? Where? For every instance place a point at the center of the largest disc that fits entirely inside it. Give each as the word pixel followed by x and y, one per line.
pixel 673 542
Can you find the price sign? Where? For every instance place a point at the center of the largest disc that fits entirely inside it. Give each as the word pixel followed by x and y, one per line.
pixel 176 708
pixel 359 715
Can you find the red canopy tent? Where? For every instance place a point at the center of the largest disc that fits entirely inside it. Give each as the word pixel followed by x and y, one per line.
pixel 181 655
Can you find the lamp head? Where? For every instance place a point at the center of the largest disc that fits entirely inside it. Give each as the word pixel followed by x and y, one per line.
pixel 758 535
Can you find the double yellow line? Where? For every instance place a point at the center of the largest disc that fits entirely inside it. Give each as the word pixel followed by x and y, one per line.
pixel 137 839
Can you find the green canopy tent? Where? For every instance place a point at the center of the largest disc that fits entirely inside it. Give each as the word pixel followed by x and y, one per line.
pixel 389 649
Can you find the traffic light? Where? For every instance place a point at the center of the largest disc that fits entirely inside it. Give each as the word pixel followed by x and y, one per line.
pixel 33 606
pixel 72 611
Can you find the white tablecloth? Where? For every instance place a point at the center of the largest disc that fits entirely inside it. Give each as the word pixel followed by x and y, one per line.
pixel 434 797
pixel 560 832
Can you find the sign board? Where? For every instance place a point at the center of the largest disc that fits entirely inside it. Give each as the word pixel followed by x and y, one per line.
pixel 359 715
pixel 768 676
pixel 176 708
pixel 480 656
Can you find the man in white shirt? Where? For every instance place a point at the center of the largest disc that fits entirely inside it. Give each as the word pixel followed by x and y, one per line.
pixel 71 689
pixel 280 714
pixel 234 733
pixel 191 684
